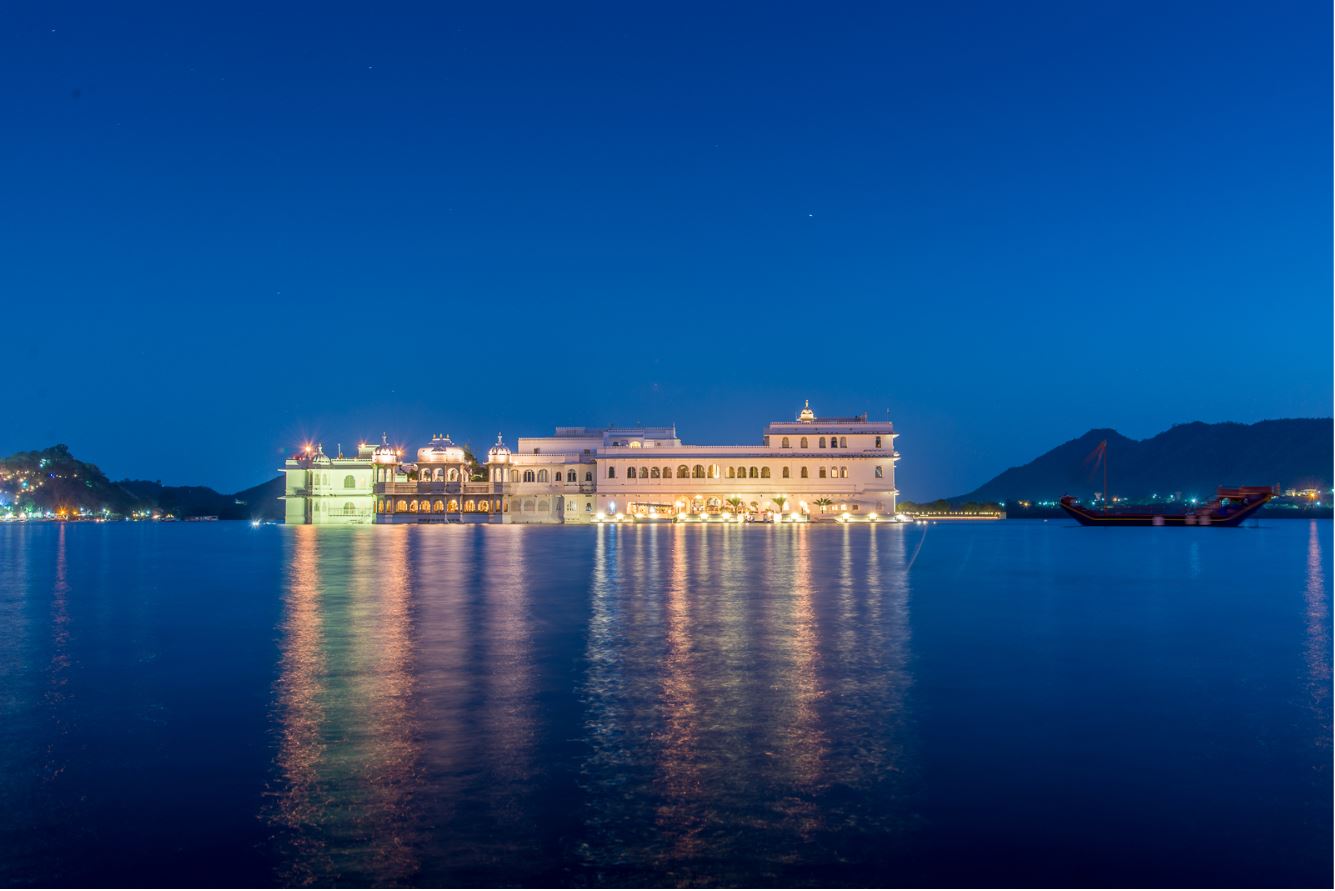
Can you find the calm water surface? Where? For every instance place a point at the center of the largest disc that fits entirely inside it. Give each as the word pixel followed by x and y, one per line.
pixel 1020 703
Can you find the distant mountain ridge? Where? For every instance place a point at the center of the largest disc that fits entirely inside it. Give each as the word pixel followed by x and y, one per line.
pixel 1189 458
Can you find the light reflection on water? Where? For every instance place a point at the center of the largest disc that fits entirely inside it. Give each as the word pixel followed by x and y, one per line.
pixel 348 751
pixel 1018 704
pixel 1318 633
pixel 734 700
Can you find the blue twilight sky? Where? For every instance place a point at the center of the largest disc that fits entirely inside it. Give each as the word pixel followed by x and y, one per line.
pixel 224 228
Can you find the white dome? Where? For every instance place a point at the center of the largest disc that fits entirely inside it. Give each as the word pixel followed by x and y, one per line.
pixel 498 454
pixel 440 450
pixel 384 453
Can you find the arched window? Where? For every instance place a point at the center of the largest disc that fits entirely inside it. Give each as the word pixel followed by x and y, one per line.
pixel 843 442
pixel 878 442
pixel 732 473
pixel 655 473
pixel 785 443
pixel 529 476
pixel 439 506
pixel 349 482
pixel 484 506
pixel 588 507
pixel 785 473
pixel 753 473
pixel 349 509
pixel 822 473
pixel 880 472
pixel 699 472
pixel 803 443
pixel 412 506
pixel 570 476
pixel 528 505
pixel 453 506
pixel 401 506
pixel 630 473
pixel 644 473
pixel 469 506
pixel 667 473
pixel 843 473
pixel 713 471
pixel 683 471
pixel 542 476
pixel 804 473
pixel 764 473
pixel 611 472
pixel 454 475
pixel 544 507
pixel 588 476
pixel 822 442
pixel 379 506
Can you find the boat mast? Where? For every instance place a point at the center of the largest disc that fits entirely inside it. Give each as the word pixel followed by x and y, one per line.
pixel 1107 499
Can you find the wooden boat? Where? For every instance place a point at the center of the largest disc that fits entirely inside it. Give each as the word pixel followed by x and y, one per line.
pixel 1229 508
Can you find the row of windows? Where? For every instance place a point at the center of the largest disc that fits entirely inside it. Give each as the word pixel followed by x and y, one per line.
pixel 835 442
pixel 427 506
pixel 541 476
pixel 699 472
pixel 452 506
pixel 740 473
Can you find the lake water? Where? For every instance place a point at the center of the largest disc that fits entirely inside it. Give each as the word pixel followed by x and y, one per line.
pixel 1016 703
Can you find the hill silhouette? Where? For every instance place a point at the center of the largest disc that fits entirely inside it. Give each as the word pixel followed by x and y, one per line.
pixel 52 479
pixel 1189 458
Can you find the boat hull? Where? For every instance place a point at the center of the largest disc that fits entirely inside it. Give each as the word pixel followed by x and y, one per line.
pixel 1213 515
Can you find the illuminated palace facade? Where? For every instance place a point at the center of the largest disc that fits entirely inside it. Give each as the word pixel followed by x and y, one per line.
pixel 808 469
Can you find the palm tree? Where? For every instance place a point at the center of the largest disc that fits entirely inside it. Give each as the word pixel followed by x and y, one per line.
pixel 735 503
pixel 780 500
pixel 822 503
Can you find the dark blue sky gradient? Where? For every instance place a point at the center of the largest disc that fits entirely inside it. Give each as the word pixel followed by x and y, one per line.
pixel 226 230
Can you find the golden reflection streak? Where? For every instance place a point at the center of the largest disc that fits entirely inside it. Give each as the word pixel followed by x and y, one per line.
pixel 58 676
pixel 300 686
pixel 802 738
pixel 508 715
pixel 347 753
pixel 679 768
pixel 381 571
pixel 1318 633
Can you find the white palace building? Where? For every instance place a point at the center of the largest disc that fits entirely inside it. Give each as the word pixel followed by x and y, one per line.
pixel 809 469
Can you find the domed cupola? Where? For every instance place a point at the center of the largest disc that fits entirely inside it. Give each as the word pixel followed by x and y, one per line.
pixel 320 459
pixel 384 453
pixel 498 454
pixel 440 450
pixel 806 414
